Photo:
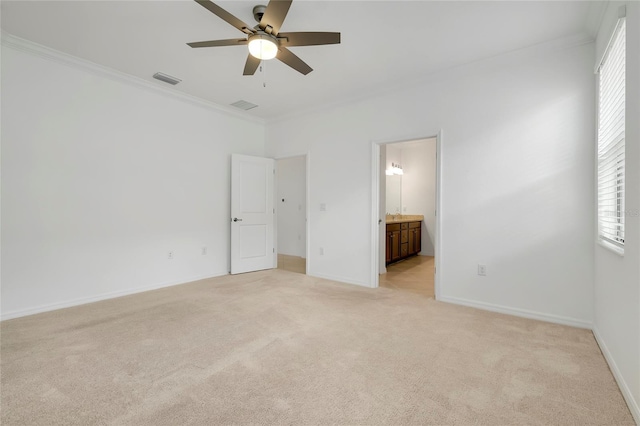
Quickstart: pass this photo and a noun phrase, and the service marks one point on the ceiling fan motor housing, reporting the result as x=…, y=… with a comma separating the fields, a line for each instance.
x=258, y=11
x=261, y=35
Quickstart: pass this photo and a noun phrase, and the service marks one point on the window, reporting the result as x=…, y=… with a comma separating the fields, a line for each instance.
x=611, y=141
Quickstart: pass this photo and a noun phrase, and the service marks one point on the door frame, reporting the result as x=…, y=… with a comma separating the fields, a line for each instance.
x=376, y=228
x=307, y=156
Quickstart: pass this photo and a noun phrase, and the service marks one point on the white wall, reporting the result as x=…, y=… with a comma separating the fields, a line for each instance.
x=393, y=156
x=617, y=282
x=419, y=187
x=101, y=178
x=291, y=181
x=517, y=180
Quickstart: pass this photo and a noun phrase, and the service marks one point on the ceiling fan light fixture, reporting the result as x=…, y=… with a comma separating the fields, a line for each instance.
x=265, y=41
x=263, y=46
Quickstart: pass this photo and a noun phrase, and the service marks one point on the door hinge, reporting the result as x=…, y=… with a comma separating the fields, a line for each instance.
x=274, y=250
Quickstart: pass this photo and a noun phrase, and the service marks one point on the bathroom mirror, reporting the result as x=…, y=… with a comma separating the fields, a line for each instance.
x=394, y=194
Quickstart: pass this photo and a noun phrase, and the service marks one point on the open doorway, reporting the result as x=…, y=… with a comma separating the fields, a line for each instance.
x=291, y=205
x=406, y=186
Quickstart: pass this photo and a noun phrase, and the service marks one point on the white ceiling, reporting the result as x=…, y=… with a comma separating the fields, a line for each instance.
x=383, y=42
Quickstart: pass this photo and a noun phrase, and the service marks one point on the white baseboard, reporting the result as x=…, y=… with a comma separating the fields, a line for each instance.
x=524, y=313
x=104, y=296
x=622, y=384
x=339, y=279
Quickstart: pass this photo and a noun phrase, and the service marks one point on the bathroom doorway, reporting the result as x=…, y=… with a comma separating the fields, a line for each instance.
x=291, y=208
x=407, y=215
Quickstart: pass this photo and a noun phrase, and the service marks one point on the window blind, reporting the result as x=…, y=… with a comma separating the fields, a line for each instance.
x=611, y=140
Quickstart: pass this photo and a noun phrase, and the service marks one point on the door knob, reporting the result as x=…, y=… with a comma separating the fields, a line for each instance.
x=235, y=219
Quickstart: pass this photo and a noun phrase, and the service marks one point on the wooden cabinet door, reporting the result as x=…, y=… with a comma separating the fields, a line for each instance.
x=395, y=245
x=393, y=242
x=415, y=234
x=412, y=241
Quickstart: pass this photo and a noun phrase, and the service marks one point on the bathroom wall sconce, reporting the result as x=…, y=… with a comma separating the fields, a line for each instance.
x=395, y=169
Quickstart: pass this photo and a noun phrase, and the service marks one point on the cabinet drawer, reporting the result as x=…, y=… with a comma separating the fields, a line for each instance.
x=414, y=224
x=404, y=226
x=404, y=249
x=404, y=236
x=393, y=227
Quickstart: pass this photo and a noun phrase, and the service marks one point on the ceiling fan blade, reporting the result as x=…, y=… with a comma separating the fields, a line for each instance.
x=216, y=43
x=274, y=15
x=308, y=38
x=251, y=65
x=287, y=56
x=226, y=16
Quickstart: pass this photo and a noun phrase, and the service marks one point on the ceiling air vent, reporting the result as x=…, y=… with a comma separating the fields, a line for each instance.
x=166, y=78
x=244, y=105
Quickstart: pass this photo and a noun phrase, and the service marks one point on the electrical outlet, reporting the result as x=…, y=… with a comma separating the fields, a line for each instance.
x=204, y=251
x=170, y=255
x=482, y=270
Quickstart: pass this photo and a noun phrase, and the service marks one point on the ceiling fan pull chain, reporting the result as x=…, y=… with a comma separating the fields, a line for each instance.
x=264, y=75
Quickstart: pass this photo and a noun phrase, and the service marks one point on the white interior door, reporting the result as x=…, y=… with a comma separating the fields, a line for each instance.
x=252, y=214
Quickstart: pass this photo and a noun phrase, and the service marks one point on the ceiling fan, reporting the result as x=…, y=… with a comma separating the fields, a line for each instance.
x=265, y=39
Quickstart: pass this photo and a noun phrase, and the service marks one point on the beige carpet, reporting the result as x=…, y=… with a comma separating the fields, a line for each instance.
x=276, y=347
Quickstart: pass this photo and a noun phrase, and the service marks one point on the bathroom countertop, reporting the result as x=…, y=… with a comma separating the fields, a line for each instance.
x=402, y=218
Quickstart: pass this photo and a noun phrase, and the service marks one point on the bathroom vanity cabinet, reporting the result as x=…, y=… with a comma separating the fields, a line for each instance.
x=403, y=240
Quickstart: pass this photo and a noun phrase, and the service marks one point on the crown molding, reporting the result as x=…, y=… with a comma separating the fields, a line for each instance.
x=20, y=44
x=47, y=53
x=537, y=50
